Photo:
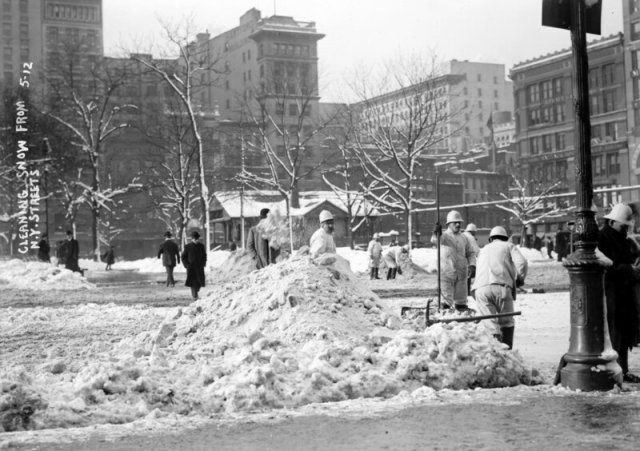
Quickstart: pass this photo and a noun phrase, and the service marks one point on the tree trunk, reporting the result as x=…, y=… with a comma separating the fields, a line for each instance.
x=95, y=213
x=290, y=223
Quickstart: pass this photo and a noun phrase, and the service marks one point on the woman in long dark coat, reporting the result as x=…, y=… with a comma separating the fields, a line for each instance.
x=619, y=279
x=194, y=259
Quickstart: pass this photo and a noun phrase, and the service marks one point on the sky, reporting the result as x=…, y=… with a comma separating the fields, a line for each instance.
x=365, y=33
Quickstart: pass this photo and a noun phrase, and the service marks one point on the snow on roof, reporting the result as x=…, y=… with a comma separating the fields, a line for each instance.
x=250, y=203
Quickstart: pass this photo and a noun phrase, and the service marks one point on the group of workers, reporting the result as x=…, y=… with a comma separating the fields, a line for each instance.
x=493, y=273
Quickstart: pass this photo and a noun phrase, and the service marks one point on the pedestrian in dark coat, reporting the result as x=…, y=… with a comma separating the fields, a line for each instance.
x=619, y=280
x=71, y=253
x=562, y=242
x=194, y=259
x=44, y=249
x=258, y=246
x=109, y=258
x=170, y=257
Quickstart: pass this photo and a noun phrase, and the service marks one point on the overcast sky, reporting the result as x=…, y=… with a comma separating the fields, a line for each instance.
x=366, y=32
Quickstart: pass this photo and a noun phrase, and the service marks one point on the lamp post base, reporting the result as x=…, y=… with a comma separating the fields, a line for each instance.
x=584, y=377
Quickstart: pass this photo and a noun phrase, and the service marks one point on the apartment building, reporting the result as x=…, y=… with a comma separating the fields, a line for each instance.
x=544, y=117
x=32, y=31
x=631, y=48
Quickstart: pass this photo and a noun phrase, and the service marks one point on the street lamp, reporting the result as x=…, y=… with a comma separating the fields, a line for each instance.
x=587, y=365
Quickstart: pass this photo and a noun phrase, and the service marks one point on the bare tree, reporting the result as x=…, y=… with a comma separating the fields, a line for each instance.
x=184, y=77
x=403, y=118
x=82, y=99
x=287, y=129
x=175, y=181
x=347, y=179
x=529, y=204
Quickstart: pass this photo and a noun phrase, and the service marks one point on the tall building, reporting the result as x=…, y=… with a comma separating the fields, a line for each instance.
x=544, y=116
x=483, y=91
x=631, y=48
x=32, y=31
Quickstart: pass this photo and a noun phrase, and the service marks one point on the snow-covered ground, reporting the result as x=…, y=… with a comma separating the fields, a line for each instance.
x=294, y=334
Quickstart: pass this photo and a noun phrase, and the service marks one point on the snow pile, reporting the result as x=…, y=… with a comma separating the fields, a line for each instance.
x=238, y=264
x=39, y=276
x=294, y=333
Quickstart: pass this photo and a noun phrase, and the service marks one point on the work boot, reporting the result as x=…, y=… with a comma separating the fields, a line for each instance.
x=507, y=336
x=462, y=307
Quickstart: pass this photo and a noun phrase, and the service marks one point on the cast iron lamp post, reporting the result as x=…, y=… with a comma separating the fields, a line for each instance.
x=590, y=362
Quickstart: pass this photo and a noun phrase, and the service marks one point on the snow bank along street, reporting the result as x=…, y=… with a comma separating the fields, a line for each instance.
x=295, y=333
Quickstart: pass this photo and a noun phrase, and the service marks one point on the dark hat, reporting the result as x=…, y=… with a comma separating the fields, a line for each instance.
x=69, y=232
x=195, y=235
x=264, y=212
x=167, y=234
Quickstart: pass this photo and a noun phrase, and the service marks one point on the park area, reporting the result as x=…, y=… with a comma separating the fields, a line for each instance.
x=302, y=354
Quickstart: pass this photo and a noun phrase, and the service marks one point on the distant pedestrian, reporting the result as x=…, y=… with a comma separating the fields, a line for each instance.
x=620, y=281
x=562, y=242
x=392, y=258
x=71, y=253
x=321, y=241
x=109, y=258
x=44, y=249
x=501, y=270
x=232, y=246
x=194, y=259
x=456, y=258
x=374, y=250
x=258, y=246
x=549, y=244
x=170, y=257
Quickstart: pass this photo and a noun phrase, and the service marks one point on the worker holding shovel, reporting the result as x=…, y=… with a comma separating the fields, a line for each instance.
x=457, y=258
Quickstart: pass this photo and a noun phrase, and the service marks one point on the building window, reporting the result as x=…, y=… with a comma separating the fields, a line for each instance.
x=495, y=93
x=226, y=85
x=465, y=91
x=479, y=103
x=547, y=143
x=634, y=6
x=547, y=90
x=248, y=54
x=635, y=31
x=560, y=141
x=594, y=78
x=533, y=144
x=228, y=104
x=533, y=93
x=559, y=113
x=595, y=104
x=479, y=77
x=608, y=75
x=613, y=164
x=609, y=101
x=557, y=83
x=479, y=92
x=495, y=80
x=496, y=106
x=293, y=109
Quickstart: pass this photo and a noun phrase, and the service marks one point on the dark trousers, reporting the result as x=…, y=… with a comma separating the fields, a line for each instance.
x=170, y=280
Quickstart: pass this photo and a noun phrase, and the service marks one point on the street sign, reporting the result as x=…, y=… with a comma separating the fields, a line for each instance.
x=557, y=14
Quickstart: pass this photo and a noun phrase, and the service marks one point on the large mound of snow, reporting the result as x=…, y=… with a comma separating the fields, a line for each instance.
x=39, y=276
x=294, y=333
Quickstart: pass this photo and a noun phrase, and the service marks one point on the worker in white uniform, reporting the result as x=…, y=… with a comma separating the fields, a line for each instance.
x=456, y=256
x=391, y=257
x=374, y=250
x=501, y=269
x=321, y=241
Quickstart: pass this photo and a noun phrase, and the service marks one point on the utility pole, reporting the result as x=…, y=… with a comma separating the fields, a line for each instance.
x=590, y=363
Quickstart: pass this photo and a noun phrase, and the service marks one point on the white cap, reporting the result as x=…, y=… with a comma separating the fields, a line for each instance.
x=376, y=235
x=454, y=216
x=498, y=231
x=471, y=227
x=325, y=215
x=621, y=213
